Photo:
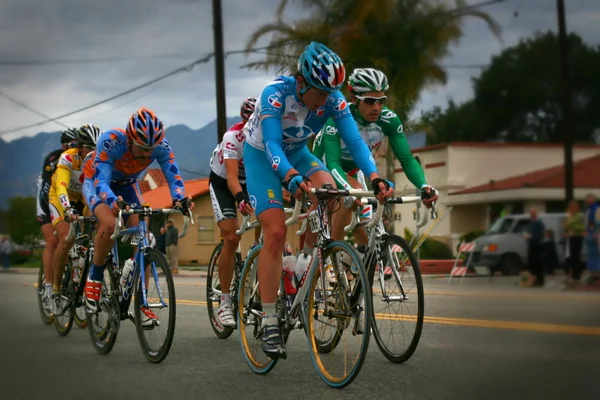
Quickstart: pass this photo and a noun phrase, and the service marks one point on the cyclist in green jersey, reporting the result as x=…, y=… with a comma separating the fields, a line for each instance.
x=375, y=122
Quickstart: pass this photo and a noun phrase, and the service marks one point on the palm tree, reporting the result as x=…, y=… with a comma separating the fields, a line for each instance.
x=406, y=39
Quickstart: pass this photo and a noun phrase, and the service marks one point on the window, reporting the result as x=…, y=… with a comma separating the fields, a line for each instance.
x=556, y=206
x=502, y=225
x=206, y=229
x=521, y=226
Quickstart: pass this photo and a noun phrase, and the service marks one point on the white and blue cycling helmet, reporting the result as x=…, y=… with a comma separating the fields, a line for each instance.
x=321, y=68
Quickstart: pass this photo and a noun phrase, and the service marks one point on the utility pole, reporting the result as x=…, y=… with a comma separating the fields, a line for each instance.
x=219, y=69
x=566, y=122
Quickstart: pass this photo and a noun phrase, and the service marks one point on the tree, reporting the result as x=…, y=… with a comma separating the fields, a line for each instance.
x=405, y=39
x=22, y=224
x=517, y=97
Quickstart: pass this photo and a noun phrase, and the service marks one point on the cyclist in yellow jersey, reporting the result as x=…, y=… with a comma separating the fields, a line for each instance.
x=66, y=200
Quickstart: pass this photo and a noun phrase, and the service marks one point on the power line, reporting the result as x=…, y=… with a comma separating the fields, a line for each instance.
x=185, y=68
x=22, y=63
x=25, y=106
x=188, y=67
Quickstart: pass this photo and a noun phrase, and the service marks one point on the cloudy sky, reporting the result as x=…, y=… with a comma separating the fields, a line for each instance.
x=181, y=30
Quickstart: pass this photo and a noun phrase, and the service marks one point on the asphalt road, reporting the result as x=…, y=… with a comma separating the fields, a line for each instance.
x=480, y=341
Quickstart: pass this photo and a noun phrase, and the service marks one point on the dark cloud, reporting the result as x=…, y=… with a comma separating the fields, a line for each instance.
x=83, y=29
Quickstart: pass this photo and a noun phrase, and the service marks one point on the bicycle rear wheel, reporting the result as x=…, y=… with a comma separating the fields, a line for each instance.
x=103, y=326
x=399, y=300
x=342, y=304
x=154, y=339
x=47, y=317
x=64, y=322
x=213, y=298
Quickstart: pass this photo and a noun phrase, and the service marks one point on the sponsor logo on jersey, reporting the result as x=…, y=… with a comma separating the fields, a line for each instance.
x=275, y=163
x=253, y=201
x=331, y=130
x=230, y=146
x=366, y=212
x=270, y=193
x=400, y=128
x=109, y=144
x=320, y=112
x=387, y=114
x=291, y=116
x=274, y=101
x=341, y=105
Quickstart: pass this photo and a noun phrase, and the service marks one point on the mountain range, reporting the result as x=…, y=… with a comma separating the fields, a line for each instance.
x=21, y=159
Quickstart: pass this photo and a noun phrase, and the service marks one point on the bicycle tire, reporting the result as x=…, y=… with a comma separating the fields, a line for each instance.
x=222, y=332
x=364, y=346
x=391, y=240
x=155, y=356
x=105, y=340
x=255, y=366
x=64, y=327
x=47, y=318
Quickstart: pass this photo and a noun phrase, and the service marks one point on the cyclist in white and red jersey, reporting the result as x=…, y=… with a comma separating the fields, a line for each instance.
x=227, y=183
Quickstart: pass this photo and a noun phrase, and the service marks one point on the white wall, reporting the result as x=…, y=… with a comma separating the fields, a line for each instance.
x=471, y=165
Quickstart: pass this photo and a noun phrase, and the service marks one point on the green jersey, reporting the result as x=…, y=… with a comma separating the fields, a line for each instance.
x=330, y=148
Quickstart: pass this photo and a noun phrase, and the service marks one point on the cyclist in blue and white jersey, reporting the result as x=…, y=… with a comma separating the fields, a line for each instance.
x=288, y=113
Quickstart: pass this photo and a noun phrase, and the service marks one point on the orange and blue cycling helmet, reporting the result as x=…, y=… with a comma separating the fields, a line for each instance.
x=145, y=129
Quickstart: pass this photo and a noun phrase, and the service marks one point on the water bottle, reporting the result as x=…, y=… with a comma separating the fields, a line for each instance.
x=77, y=265
x=289, y=269
x=302, y=264
x=127, y=271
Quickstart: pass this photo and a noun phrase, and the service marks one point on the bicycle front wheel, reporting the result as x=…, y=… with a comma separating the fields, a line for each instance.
x=250, y=316
x=338, y=306
x=155, y=321
x=213, y=298
x=398, y=301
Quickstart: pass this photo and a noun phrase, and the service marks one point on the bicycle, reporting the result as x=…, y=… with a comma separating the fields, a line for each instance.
x=74, y=278
x=115, y=300
x=213, y=287
x=389, y=255
x=341, y=303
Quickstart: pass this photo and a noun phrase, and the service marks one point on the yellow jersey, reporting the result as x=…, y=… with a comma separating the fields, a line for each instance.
x=67, y=181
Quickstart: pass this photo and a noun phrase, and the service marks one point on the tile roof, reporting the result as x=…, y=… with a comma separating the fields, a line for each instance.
x=161, y=196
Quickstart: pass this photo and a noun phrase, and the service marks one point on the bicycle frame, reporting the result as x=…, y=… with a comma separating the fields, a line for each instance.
x=138, y=237
x=376, y=230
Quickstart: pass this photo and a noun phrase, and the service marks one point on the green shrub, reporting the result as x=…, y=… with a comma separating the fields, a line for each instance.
x=20, y=257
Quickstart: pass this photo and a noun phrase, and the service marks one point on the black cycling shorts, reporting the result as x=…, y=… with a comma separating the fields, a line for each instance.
x=223, y=201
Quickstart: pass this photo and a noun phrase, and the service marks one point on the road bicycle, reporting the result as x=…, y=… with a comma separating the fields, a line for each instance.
x=317, y=304
x=151, y=311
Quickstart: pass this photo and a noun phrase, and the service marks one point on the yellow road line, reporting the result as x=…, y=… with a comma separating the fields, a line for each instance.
x=533, y=296
x=479, y=323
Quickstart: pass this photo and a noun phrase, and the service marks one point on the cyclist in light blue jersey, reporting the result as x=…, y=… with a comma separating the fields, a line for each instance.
x=289, y=112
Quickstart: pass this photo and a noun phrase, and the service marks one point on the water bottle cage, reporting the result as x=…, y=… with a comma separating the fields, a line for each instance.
x=136, y=239
x=314, y=224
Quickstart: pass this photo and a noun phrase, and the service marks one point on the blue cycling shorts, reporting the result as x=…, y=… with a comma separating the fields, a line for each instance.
x=264, y=186
x=130, y=193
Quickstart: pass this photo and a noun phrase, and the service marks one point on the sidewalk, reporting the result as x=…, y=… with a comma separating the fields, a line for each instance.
x=199, y=272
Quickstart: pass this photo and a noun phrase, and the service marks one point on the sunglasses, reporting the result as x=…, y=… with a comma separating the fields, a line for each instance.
x=372, y=100
x=144, y=147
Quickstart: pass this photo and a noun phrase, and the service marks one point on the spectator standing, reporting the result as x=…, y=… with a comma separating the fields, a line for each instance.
x=171, y=241
x=574, y=233
x=534, y=236
x=592, y=236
